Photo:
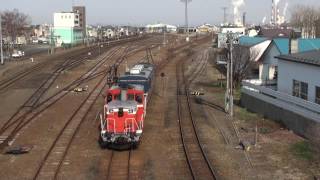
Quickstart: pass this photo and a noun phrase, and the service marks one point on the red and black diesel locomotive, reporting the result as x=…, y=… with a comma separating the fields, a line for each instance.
x=125, y=107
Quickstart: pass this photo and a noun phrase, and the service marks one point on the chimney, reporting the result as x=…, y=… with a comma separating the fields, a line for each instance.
x=244, y=19
x=293, y=44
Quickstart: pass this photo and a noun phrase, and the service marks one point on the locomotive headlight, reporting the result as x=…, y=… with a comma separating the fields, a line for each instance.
x=130, y=111
x=139, y=132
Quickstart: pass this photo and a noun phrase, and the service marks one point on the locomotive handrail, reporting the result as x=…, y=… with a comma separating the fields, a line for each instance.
x=133, y=121
x=141, y=122
x=114, y=124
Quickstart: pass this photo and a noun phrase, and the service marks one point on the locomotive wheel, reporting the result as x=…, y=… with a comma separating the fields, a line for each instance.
x=135, y=145
x=102, y=144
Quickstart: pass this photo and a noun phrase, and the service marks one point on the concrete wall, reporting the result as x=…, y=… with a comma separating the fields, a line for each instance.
x=289, y=71
x=299, y=124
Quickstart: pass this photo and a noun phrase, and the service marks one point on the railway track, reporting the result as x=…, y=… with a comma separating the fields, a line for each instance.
x=24, y=115
x=52, y=162
x=32, y=107
x=119, y=165
x=4, y=84
x=198, y=162
x=200, y=67
x=70, y=60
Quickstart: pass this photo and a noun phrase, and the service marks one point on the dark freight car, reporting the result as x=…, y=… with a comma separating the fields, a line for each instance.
x=140, y=74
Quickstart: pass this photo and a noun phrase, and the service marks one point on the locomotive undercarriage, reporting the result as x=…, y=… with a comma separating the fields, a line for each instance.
x=119, y=141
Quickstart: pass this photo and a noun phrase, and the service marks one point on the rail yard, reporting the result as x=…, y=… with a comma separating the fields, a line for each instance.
x=51, y=113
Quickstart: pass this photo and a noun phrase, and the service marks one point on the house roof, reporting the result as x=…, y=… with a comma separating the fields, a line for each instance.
x=259, y=50
x=282, y=44
x=250, y=41
x=274, y=33
x=309, y=57
x=308, y=44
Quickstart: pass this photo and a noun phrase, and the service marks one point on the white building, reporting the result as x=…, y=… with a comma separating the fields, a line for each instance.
x=233, y=30
x=299, y=75
x=206, y=28
x=295, y=100
x=109, y=33
x=66, y=19
x=92, y=31
x=159, y=28
x=42, y=30
x=67, y=28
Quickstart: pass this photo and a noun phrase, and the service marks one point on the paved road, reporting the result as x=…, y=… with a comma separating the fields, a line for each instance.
x=35, y=49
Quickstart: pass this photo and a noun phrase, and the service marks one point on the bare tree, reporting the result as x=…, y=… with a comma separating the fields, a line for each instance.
x=307, y=19
x=243, y=62
x=14, y=23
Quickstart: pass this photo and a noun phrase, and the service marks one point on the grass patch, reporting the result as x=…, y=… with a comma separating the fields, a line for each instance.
x=302, y=150
x=245, y=115
x=237, y=93
x=264, y=130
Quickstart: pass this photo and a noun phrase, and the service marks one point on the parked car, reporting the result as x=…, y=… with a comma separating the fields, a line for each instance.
x=17, y=54
x=35, y=41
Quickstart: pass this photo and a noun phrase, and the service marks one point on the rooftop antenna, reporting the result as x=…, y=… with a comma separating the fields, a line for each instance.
x=186, y=16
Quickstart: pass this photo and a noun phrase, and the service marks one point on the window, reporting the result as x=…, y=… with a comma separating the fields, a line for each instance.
x=300, y=89
x=317, y=95
x=117, y=97
x=139, y=99
x=295, y=88
x=109, y=98
x=304, y=90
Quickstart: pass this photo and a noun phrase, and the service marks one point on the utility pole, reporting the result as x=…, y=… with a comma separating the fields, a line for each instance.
x=52, y=40
x=164, y=37
x=1, y=46
x=229, y=91
x=231, y=79
x=227, y=97
x=186, y=17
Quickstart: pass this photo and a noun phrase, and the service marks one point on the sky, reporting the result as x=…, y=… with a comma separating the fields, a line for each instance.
x=141, y=12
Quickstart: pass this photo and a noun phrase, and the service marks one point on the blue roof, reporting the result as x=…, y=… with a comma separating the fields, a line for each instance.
x=250, y=41
x=282, y=44
x=308, y=44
